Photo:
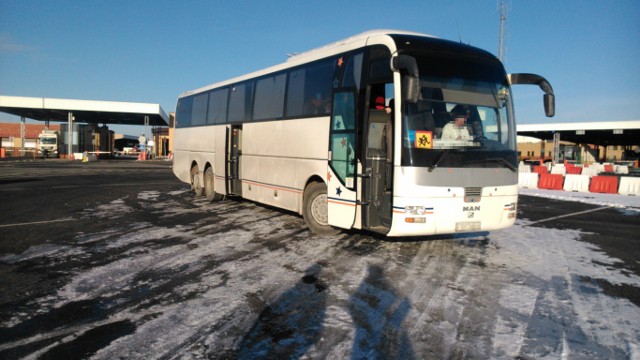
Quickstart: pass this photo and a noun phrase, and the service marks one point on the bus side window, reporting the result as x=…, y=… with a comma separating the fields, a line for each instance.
x=183, y=112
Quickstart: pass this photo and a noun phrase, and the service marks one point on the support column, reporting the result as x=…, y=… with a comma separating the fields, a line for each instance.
x=22, y=134
x=70, y=135
x=556, y=148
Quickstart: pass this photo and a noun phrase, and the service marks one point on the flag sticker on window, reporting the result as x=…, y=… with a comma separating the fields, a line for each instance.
x=424, y=139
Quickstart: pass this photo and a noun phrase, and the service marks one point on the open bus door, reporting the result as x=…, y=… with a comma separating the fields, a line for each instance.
x=233, y=157
x=377, y=172
x=341, y=172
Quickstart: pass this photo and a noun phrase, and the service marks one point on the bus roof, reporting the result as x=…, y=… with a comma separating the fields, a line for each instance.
x=353, y=42
x=359, y=39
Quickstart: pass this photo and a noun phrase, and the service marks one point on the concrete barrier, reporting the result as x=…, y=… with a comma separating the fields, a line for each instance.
x=604, y=184
x=528, y=180
x=574, y=182
x=629, y=186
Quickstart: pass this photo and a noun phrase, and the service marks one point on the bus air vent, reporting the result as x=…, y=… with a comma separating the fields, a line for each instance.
x=472, y=194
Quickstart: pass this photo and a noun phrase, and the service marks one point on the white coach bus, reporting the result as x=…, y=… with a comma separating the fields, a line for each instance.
x=394, y=132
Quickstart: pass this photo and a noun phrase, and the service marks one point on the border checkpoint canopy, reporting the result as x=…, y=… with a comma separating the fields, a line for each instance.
x=89, y=111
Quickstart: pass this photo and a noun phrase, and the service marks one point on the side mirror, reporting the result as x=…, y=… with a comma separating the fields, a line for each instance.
x=411, y=80
x=411, y=89
x=549, y=104
x=533, y=79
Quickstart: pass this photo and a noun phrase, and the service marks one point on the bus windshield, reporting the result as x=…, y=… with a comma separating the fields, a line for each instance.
x=462, y=118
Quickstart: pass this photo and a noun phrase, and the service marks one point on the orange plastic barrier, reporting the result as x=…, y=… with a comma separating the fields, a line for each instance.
x=574, y=170
x=540, y=169
x=551, y=181
x=2, y=153
x=608, y=168
x=604, y=184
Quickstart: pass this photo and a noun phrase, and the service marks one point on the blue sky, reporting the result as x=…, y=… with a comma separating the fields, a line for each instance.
x=151, y=51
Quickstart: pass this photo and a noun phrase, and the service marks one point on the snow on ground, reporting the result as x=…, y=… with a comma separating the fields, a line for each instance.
x=249, y=282
x=620, y=201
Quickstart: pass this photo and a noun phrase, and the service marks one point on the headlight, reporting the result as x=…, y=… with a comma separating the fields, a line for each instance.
x=415, y=210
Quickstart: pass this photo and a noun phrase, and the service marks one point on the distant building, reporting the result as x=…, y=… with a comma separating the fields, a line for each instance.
x=12, y=138
x=535, y=149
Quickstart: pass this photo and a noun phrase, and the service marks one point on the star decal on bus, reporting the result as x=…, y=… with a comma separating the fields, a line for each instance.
x=338, y=191
x=340, y=62
x=343, y=142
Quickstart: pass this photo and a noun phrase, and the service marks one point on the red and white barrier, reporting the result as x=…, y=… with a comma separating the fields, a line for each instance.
x=574, y=182
x=580, y=179
x=528, y=180
x=629, y=186
x=551, y=181
x=604, y=184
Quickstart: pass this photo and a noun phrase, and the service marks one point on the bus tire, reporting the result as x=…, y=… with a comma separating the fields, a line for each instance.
x=209, y=190
x=314, y=210
x=195, y=182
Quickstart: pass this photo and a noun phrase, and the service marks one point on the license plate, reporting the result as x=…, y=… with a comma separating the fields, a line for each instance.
x=468, y=226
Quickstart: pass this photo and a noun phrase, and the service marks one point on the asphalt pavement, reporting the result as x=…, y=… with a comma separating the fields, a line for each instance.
x=118, y=259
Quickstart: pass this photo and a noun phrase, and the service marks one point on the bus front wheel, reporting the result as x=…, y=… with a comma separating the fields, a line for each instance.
x=195, y=182
x=209, y=189
x=315, y=211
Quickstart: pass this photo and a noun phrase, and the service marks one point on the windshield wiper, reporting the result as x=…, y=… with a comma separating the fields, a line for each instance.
x=438, y=160
x=503, y=162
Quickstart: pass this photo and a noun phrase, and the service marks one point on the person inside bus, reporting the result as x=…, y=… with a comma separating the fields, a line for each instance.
x=317, y=106
x=457, y=128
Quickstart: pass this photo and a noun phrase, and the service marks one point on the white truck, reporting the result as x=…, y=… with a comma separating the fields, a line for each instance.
x=48, y=143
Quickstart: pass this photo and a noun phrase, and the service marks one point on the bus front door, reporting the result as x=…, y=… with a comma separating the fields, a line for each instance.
x=341, y=172
x=233, y=157
x=376, y=180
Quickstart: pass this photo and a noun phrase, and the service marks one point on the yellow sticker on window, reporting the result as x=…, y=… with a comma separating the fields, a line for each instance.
x=424, y=139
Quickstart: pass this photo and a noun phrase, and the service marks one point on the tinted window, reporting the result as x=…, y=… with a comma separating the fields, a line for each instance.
x=269, y=101
x=199, y=110
x=240, y=102
x=309, y=90
x=218, y=106
x=183, y=112
x=353, y=71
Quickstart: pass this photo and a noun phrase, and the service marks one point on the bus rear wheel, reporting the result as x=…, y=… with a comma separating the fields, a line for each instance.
x=209, y=190
x=195, y=182
x=314, y=210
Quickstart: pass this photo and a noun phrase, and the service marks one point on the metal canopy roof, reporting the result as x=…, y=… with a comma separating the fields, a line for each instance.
x=595, y=133
x=90, y=111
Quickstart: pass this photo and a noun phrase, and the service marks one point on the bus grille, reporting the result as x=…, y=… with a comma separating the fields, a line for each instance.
x=472, y=194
